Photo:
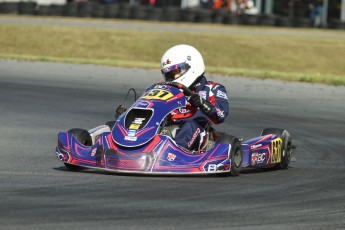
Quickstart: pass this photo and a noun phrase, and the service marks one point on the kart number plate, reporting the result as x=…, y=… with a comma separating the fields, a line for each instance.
x=158, y=94
x=276, y=150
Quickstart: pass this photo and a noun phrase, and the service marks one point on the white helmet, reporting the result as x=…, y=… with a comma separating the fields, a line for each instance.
x=184, y=60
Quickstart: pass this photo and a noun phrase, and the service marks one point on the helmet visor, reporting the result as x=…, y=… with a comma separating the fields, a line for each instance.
x=171, y=71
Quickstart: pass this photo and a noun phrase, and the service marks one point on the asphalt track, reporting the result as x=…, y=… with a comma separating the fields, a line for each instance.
x=37, y=192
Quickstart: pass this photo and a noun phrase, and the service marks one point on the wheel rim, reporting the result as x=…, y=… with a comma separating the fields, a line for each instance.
x=237, y=158
x=288, y=150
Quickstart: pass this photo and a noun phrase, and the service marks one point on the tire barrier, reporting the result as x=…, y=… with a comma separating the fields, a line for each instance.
x=204, y=16
x=219, y=16
x=265, y=20
x=250, y=19
x=27, y=8
x=302, y=22
x=111, y=11
x=56, y=10
x=98, y=11
x=124, y=11
x=153, y=13
x=70, y=10
x=336, y=24
x=284, y=21
x=236, y=20
x=188, y=15
x=43, y=10
x=139, y=12
x=85, y=9
x=173, y=13
x=8, y=7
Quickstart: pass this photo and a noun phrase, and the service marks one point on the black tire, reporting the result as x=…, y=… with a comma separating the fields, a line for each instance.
x=110, y=124
x=70, y=10
x=111, y=11
x=236, y=154
x=171, y=14
x=43, y=10
x=9, y=7
x=56, y=10
x=27, y=8
x=82, y=136
x=204, y=16
x=286, y=145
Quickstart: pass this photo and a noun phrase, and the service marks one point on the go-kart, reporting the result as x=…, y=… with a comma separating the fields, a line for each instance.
x=140, y=141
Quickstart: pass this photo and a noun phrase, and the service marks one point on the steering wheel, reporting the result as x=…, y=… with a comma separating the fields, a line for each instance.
x=186, y=90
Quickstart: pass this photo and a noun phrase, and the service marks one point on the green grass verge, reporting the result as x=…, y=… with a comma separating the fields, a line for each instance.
x=317, y=59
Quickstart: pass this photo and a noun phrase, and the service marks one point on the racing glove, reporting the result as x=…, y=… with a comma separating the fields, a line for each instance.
x=196, y=101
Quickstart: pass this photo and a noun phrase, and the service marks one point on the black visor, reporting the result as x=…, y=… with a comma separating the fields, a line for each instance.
x=170, y=72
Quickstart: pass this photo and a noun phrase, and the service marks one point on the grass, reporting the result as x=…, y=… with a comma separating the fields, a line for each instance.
x=316, y=59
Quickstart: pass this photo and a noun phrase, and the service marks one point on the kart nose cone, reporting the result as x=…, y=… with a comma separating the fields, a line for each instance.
x=141, y=162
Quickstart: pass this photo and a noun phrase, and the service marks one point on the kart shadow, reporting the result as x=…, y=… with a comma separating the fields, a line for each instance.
x=245, y=171
x=259, y=170
x=110, y=173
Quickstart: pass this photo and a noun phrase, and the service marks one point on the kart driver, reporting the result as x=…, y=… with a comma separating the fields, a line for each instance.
x=209, y=102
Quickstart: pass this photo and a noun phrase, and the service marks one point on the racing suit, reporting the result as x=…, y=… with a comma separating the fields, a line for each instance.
x=192, y=134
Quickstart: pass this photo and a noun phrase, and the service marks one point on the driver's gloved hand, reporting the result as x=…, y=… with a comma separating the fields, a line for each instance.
x=196, y=101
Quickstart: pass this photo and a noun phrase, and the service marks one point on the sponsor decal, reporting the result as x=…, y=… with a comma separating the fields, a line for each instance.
x=221, y=94
x=212, y=168
x=183, y=110
x=197, y=84
x=195, y=135
x=171, y=157
x=134, y=126
x=258, y=158
x=203, y=94
x=255, y=146
x=93, y=152
x=220, y=113
x=138, y=121
x=161, y=87
x=131, y=133
x=167, y=62
x=143, y=104
x=127, y=138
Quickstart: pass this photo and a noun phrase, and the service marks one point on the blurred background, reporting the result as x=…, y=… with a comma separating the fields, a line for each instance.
x=282, y=13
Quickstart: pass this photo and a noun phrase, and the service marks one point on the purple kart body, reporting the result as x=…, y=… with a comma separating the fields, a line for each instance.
x=140, y=142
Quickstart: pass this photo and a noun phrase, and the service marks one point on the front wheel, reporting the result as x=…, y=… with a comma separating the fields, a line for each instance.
x=286, y=149
x=111, y=124
x=236, y=154
x=82, y=136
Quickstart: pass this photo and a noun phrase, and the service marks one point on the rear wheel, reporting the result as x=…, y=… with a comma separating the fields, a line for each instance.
x=236, y=154
x=286, y=149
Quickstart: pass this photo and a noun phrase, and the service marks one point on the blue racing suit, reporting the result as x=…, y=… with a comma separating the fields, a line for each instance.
x=193, y=121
